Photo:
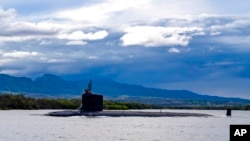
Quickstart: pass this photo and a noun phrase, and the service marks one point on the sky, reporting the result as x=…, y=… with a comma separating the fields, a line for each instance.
x=197, y=45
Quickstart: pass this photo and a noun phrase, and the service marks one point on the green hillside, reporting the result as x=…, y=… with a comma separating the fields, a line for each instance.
x=51, y=86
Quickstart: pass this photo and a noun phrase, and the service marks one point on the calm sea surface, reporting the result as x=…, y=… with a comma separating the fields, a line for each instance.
x=31, y=125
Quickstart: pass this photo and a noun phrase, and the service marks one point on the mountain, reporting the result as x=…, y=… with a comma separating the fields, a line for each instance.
x=53, y=86
x=46, y=85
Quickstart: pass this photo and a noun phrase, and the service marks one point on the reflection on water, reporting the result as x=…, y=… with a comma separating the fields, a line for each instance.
x=31, y=125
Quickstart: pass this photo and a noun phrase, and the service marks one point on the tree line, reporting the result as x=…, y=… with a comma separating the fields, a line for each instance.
x=20, y=101
x=10, y=101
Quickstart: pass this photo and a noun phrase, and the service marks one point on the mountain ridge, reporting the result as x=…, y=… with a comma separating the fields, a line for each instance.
x=50, y=85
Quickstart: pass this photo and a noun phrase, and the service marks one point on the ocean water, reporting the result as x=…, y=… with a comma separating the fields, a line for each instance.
x=32, y=125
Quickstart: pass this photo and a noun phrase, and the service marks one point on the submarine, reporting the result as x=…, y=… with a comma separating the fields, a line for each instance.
x=91, y=102
x=92, y=105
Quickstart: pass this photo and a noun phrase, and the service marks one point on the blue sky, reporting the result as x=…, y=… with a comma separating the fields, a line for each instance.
x=198, y=45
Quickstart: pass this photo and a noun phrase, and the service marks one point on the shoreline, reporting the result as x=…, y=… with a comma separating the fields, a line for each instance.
x=122, y=113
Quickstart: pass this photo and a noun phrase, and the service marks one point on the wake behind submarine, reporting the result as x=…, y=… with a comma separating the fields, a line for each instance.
x=92, y=105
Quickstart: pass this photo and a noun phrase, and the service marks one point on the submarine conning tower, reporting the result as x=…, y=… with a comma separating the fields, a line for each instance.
x=91, y=102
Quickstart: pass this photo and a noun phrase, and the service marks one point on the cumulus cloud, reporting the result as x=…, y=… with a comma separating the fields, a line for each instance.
x=119, y=13
x=80, y=38
x=79, y=35
x=21, y=63
x=151, y=36
x=19, y=54
x=39, y=41
x=99, y=13
x=5, y=61
x=10, y=13
x=15, y=29
x=76, y=43
x=174, y=50
x=234, y=40
x=143, y=22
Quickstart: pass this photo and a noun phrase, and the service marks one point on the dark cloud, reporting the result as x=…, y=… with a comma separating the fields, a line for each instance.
x=193, y=51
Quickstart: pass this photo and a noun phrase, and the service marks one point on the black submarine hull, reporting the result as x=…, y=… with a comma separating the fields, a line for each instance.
x=123, y=113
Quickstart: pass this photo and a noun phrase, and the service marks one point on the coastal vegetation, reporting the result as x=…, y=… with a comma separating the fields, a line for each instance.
x=20, y=101
x=116, y=105
x=10, y=101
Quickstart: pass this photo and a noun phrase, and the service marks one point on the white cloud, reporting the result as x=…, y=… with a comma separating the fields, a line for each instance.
x=9, y=71
x=233, y=25
x=234, y=40
x=19, y=54
x=16, y=29
x=174, y=50
x=76, y=43
x=79, y=35
x=54, y=60
x=5, y=61
x=5, y=39
x=36, y=42
x=138, y=19
x=10, y=13
x=119, y=13
x=151, y=36
x=99, y=13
